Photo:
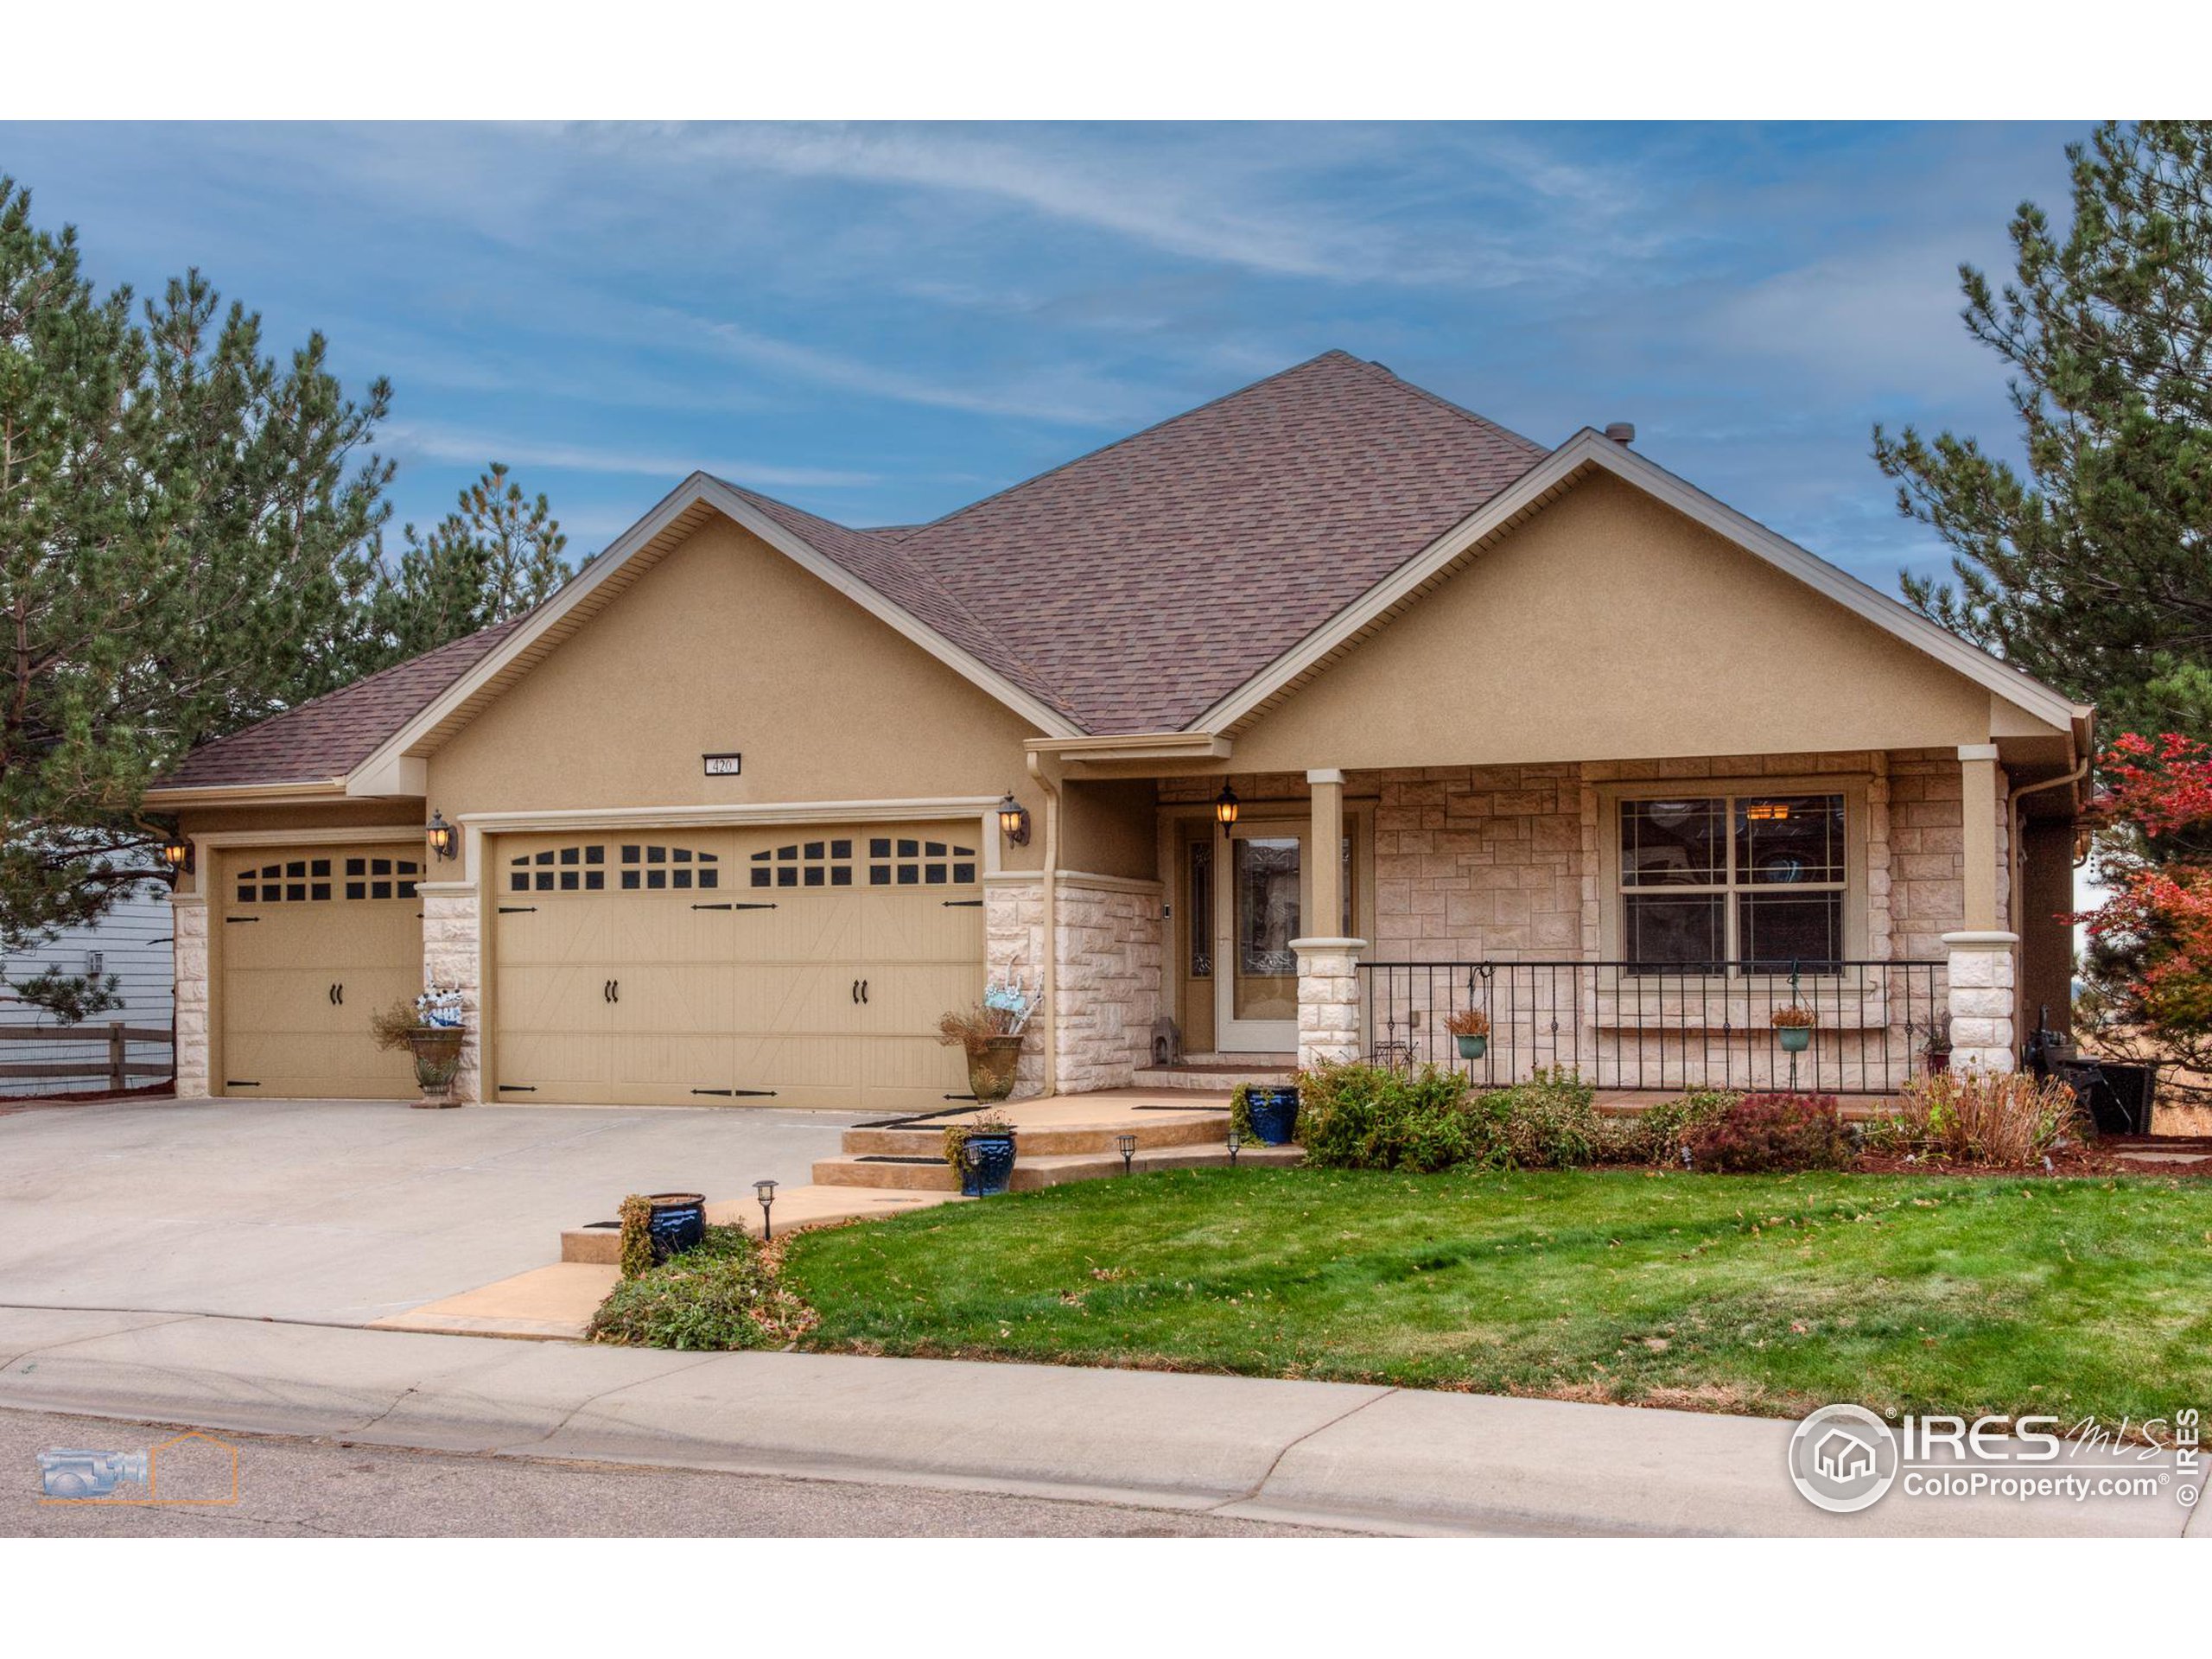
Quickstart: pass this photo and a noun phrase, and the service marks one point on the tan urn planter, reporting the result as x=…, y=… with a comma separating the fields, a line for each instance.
x=437, y=1062
x=990, y=1074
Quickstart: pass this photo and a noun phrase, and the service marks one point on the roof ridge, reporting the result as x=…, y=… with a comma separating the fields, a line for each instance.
x=1142, y=432
x=1446, y=403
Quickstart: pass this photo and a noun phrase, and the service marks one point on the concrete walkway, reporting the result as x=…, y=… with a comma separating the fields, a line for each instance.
x=1383, y=1459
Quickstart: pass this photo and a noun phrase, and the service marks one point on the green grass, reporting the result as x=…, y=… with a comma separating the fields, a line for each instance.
x=1759, y=1293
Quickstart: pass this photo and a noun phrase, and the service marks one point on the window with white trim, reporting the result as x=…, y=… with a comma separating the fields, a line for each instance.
x=1734, y=883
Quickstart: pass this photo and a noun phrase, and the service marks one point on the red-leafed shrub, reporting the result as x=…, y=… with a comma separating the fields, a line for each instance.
x=1771, y=1132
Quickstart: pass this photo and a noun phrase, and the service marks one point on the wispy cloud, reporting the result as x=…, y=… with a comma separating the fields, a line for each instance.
x=480, y=448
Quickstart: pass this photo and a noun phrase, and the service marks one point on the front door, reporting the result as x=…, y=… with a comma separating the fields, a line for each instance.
x=1258, y=906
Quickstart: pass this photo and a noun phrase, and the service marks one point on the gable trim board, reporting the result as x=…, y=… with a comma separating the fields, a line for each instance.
x=1548, y=480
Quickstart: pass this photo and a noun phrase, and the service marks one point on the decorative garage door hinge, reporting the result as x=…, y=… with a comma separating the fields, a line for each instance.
x=234, y=920
x=963, y=904
x=742, y=1094
x=517, y=910
x=517, y=1088
x=241, y=1083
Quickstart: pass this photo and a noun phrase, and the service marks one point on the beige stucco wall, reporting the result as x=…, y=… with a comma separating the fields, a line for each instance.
x=1610, y=626
x=726, y=645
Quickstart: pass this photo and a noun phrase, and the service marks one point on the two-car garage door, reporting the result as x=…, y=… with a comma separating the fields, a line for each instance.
x=792, y=968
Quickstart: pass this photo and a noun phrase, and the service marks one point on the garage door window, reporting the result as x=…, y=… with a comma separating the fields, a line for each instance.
x=914, y=862
x=309, y=880
x=648, y=867
x=559, y=869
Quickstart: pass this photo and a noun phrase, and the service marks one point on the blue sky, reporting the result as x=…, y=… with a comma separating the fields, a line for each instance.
x=882, y=323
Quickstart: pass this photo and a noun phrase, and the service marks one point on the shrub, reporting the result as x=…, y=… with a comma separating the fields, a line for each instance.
x=1655, y=1135
x=1359, y=1116
x=1771, y=1132
x=1982, y=1117
x=1549, y=1122
x=725, y=1294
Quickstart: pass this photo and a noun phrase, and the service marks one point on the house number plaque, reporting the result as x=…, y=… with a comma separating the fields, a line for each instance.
x=723, y=765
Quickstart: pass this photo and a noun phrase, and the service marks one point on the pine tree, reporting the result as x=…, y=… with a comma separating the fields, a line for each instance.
x=186, y=537
x=497, y=554
x=2093, y=572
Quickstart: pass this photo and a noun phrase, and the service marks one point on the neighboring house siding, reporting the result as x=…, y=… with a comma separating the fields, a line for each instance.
x=132, y=942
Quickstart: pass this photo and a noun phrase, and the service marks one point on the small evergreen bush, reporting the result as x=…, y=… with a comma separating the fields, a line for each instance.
x=723, y=1294
x=1549, y=1122
x=1359, y=1116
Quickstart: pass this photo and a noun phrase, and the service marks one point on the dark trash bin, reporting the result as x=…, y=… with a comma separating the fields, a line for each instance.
x=2118, y=1097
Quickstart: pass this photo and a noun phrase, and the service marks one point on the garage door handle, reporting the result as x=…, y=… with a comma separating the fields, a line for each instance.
x=616, y=985
x=341, y=994
x=863, y=990
x=856, y=993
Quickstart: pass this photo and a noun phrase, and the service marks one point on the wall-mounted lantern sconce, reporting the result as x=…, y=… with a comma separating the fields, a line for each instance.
x=176, y=855
x=444, y=839
x=1224, y=805
x=1013, y=820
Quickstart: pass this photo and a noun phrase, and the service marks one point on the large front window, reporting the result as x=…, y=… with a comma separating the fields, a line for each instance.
x=1755, y=881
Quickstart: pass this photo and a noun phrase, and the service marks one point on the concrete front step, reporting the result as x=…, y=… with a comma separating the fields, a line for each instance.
x=1212, y=1078
x=1165, y=1129
x=1049, y=1169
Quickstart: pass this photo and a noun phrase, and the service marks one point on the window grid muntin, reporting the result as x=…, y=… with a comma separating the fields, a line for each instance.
x=1735, y=895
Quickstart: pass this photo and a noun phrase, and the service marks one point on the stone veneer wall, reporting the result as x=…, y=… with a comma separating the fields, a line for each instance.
x=188, y=934
x=453, y=955
x=1926, y=839
x=1112, y=959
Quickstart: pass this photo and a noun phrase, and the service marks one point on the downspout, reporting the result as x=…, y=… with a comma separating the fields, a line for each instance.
x=2016, y=854
x=2017, y=857
x=1048, y=970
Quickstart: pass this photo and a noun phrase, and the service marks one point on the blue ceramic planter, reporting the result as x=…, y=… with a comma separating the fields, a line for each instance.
x=678, y=1223
x=1795, y=1040
x=1273, y=1112
x=989, y=1167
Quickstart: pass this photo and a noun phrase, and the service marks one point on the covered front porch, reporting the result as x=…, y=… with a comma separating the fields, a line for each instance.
x=1639, y=922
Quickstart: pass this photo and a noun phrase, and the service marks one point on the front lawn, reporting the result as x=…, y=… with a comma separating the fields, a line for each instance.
x=1757, y=1294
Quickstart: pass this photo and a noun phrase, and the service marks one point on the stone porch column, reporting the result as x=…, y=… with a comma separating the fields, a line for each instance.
x=1326, y=787
x=453, y=954
x=1981, y=1000
x=1978, y=861
x=1328, y=1000
x=188, y=936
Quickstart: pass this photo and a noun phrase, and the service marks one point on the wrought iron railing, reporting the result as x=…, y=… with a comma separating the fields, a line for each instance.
x=1634, y=1026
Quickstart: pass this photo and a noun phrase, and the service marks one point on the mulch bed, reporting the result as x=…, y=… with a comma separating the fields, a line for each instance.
x=2103, y=1156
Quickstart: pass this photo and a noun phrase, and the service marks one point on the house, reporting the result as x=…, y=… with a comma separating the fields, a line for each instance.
x=131, y=944
x=1303, y=719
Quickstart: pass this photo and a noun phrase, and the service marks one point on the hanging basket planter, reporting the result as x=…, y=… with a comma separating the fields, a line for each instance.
x=1793, y=1027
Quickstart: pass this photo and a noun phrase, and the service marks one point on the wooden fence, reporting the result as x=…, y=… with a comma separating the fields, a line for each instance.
x=117, y=1062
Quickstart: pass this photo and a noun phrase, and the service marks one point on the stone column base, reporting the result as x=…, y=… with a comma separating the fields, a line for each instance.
x=1328, y=1001
x=1981, y=1001
x=188, y=936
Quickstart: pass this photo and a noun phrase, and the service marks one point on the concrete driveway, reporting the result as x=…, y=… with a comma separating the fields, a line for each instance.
x=344, y=1211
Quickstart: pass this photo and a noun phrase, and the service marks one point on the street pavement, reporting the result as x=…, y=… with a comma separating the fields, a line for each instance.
x=290, y=1488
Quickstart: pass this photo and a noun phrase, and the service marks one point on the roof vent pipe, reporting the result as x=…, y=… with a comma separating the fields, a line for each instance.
x=1622, y=432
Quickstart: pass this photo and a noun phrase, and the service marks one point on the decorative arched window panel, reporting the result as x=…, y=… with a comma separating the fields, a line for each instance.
x=311, y=880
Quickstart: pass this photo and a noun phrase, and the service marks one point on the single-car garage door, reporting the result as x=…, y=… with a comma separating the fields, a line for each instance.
x=315, y=940
x=793, y=968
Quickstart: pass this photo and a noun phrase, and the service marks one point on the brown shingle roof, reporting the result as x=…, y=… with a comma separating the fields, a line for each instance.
x=328, y=737
x=1148, y=580
x=1130, y=588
